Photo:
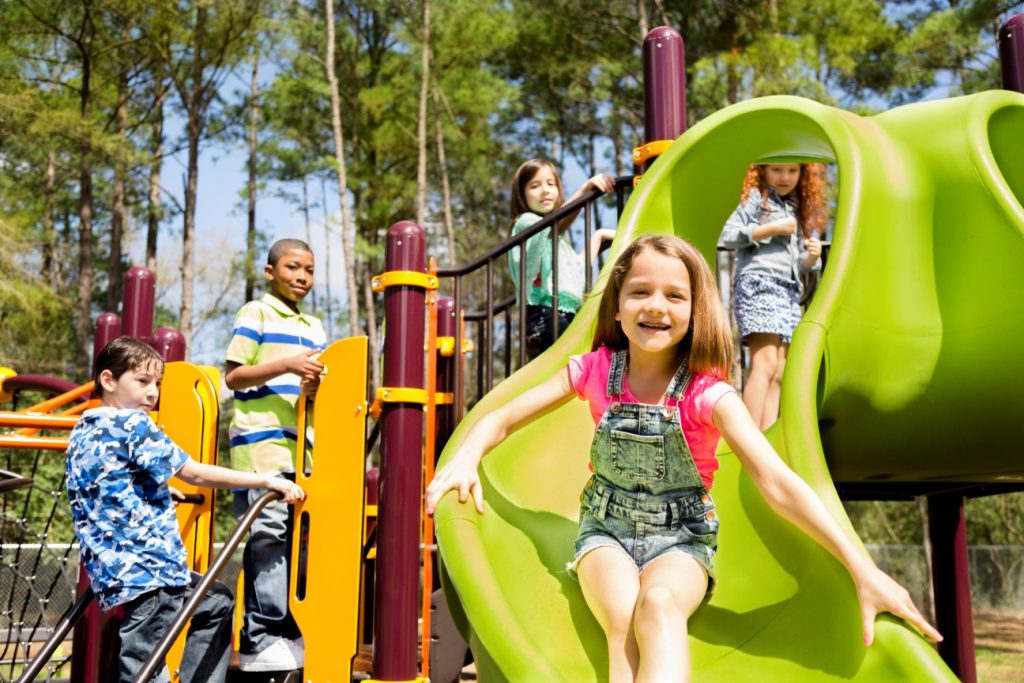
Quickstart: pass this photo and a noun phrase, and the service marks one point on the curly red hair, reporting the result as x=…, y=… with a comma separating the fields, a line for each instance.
x=809, y=195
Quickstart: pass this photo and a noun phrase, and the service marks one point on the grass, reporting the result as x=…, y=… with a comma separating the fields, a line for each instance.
x=999, y=647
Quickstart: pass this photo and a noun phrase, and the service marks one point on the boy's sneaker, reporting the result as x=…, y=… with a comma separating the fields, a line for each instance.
x=298, y=649
x=278, y=656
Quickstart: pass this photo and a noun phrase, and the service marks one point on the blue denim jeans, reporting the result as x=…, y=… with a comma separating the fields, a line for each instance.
x=147, y=618
x=265, y=564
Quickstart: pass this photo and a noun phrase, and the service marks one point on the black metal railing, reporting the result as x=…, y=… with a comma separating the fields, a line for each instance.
x=484, y=316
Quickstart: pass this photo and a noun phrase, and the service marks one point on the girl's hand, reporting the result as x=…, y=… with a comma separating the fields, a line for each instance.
x=785, y=226
x=813, y=247
x=455, y=476
x=602, y=181
x=877, y=592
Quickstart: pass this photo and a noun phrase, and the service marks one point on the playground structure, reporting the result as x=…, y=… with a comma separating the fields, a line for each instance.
x=894, y=348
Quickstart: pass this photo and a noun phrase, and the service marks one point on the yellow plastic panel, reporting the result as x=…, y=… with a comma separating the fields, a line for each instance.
x=188, y=413
x=328, y=611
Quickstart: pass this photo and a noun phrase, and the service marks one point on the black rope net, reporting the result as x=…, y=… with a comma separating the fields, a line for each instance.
x=38, y=560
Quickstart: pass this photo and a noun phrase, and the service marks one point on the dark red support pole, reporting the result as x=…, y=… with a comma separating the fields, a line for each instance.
x=108, y=328
x=169, y=343
x=1011, y=53
x=444, y=422
x=137, y=308
x=396, y=607
x=948, y=531
x=664, y=85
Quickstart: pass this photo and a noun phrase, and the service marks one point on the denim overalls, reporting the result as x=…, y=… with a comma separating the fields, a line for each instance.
x=646, y=495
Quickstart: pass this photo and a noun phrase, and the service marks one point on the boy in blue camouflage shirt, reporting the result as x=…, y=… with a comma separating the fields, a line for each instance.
x=118, y=466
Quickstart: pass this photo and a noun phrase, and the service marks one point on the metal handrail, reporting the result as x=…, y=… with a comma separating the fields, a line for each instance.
x=156, y=658
x=11, y=481
x=60, y=632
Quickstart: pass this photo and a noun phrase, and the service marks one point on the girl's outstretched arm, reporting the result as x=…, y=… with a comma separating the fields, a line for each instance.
x=791, y=497
x=460, y=472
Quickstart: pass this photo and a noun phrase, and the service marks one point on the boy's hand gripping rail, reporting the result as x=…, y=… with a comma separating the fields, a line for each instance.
x=156, y=658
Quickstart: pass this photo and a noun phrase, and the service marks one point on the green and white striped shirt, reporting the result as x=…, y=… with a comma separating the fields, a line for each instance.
x=263, y=429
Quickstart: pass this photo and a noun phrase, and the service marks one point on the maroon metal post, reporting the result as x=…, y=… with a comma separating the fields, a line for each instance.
x=948, y=531
x=169, y=343
x=137, y=308
x=398, y=541
x=664, y=86
x=108, y=328
x=444, y=420
x=1011, y=53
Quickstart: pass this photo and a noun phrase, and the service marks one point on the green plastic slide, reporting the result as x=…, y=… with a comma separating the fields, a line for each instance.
x=904, y=369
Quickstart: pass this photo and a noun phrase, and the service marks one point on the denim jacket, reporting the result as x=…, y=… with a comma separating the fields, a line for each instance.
x=777, y=256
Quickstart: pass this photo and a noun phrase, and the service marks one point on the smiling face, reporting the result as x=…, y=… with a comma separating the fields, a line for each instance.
x=783, y=178
x=291, y=278
x=542, y=192
x=655, y=302
x=136, y=389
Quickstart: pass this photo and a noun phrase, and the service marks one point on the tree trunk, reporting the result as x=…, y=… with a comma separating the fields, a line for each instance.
x=83, y=299
x=421, y=135
x=371, y=328
x=327, y=239
x=309, y=238
x=442, y=162
x=156, y=142
x=641, y=10
x=119, y=213
x=922, y=514
x=196, y=118
x=49, y=228
x=250, y=235
x=347, y=229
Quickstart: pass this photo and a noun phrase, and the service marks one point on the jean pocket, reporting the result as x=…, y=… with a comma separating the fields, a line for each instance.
x=637, y=457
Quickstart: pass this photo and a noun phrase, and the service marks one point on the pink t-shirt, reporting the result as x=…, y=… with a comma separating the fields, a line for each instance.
x=589, y=375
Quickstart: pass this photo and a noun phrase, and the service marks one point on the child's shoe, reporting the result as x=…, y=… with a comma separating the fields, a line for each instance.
x=278, y=656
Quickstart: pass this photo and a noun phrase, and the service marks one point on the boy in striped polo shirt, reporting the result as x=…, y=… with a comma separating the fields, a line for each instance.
x=271, y=359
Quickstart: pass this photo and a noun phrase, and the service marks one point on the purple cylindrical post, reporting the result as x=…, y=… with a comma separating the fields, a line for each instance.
x=398, y=538
x=1011, y=53
x=444, y=421
x=108, y=328
x=951, y=576
x=137, y=309
x=169, y=343
x=664, y=86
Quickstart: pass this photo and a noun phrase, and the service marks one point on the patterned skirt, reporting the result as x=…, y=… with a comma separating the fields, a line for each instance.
x=766, y=305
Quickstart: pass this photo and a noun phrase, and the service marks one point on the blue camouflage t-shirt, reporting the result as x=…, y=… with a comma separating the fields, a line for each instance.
x=118, y=466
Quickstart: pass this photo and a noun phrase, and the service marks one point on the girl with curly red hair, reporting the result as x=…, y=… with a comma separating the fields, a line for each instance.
x=776, y=233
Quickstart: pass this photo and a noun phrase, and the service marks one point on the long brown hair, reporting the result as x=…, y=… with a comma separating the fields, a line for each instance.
x=524, y=174
x=809, y=195
x=709, y=339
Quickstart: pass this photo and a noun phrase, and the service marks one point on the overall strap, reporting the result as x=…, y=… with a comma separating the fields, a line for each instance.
x=681, y=380
x=616, y=373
